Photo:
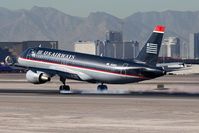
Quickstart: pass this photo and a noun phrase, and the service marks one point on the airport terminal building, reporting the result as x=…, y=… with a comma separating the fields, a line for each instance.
x=15, y=48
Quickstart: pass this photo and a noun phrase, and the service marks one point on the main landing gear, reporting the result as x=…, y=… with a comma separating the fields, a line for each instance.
x=102, y=88
x=64, y=88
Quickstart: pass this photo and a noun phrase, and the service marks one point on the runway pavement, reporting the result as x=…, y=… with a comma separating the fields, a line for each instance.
x=132, y=108
x=172, y=84
x=96, y=114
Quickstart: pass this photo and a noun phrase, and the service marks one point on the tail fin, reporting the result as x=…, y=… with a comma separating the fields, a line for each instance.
x=150, y=51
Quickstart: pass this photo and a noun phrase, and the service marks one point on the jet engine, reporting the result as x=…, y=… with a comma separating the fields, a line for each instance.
x=37, y=77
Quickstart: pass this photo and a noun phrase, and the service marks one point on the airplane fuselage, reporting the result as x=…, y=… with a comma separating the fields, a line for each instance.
x=90, y=68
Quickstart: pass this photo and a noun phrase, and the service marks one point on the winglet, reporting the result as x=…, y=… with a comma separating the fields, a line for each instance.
x=159, y=29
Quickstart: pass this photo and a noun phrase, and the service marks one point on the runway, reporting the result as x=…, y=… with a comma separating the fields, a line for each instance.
x=50, y=113
x=28, y=108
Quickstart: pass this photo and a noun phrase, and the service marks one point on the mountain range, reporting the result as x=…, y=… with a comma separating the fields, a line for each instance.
x=46, y=23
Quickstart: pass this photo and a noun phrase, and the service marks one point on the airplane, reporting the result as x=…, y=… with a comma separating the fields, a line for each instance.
x=174, y=66
x=44, y=63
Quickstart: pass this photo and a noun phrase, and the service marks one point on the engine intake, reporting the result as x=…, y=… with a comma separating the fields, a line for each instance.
x=37, y=77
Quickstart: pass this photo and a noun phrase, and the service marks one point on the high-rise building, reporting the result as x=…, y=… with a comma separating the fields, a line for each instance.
x=184, y=50
x=171, y=47
x=130, y=50
x=109, y=49
x=114, y=36
x=113, y=47
x=194, y=46
x=114, y=40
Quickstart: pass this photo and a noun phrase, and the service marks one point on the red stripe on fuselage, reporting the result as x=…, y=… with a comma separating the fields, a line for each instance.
x=84, y=68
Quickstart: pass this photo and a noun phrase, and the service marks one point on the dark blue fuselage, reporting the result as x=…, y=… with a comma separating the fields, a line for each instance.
x=87, y=67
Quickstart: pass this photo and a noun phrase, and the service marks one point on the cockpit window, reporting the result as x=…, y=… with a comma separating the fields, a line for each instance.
x=28, y=53
x=24, y=54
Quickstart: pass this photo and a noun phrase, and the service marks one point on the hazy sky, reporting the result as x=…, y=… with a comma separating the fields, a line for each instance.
x=119, y=8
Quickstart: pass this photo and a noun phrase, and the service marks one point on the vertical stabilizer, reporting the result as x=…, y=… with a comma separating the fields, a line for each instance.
x=150, y=51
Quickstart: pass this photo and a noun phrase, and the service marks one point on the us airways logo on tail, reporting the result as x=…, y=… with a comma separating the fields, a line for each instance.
x=151, y=48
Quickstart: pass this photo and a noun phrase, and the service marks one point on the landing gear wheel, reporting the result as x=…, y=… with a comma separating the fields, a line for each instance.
x=102, y=88
x=64, y=89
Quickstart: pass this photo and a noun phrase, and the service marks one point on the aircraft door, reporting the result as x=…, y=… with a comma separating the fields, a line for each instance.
x=124, y=68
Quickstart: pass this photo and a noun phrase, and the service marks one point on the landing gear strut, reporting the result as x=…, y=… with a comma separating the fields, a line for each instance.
x=64, y=88
x=102, y=87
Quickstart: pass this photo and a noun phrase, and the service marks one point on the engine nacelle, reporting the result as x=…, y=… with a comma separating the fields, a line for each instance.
x=37, y=77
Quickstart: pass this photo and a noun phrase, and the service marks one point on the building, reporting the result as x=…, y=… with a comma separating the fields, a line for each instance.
x=114, y=50
x=109, y=49
x=194, y=46
x=16, y=48
x=101, y=48
x=114, y=43
x=184, y=50
x=113, y=47
x=171, y=47
x=114, y=36
x=89, y=47
x=130, y=49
